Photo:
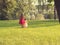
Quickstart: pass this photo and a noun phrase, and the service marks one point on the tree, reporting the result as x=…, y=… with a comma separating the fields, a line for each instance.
x=7, y=8
x=26, y=7
x=11, y=8
x=57, y=4
x=50, y=1
x=3, y=8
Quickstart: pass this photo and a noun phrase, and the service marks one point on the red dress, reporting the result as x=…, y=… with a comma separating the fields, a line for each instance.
x=22, y=21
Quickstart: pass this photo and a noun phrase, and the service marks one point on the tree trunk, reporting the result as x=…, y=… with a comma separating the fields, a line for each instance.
x=57, y=4
x=55, y=14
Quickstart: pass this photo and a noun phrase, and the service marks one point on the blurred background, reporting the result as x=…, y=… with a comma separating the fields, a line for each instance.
x=32, y=9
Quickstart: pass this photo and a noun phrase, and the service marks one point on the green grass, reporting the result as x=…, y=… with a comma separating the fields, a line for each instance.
x=45, y=32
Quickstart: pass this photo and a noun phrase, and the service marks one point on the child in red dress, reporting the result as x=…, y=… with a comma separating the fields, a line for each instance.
x=22, y=20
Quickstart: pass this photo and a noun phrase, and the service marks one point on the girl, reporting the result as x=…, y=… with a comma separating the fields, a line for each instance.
x=22, y=20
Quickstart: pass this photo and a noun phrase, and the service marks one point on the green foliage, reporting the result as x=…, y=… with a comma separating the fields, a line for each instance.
x=40, y=17
x=50, y=1
x=51, y=15
x=18, y=7
x=15, y=7
x=11, y=7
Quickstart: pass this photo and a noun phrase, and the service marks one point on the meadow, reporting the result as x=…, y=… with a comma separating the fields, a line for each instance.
x=39, y=32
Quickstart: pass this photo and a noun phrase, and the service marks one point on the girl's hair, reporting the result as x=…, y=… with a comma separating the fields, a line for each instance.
x=21, y=16
x=25, y=19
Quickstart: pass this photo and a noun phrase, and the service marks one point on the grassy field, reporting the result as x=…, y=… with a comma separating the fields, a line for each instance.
x=38, y=33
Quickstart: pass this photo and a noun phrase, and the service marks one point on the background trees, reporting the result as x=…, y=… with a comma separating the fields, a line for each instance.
x=11, y=9
x=3, y=8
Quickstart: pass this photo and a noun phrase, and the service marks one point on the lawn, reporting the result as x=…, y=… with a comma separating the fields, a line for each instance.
x=45, y=32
